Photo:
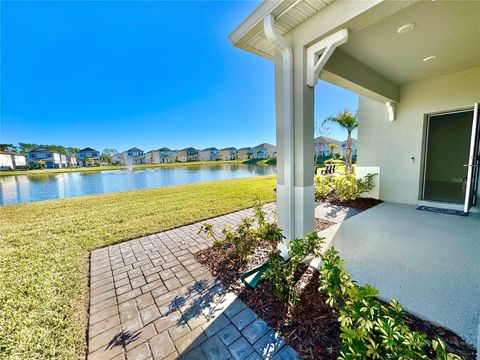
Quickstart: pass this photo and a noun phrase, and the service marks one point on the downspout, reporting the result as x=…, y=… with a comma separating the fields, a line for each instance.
x=285, y=49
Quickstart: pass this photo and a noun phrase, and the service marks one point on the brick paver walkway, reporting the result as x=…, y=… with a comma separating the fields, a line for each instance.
x=150, y=299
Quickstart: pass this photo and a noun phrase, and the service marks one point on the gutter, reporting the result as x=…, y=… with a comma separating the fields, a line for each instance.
x=284, y=47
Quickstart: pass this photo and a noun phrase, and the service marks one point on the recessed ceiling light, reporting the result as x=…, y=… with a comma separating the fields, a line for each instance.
x=406, y=28
x=429, y=58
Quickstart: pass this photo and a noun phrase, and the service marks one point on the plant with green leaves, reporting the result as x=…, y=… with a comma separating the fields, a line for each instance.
x=347, y=187
x=41, y=164
x=323, y=186
x=349, y=122
x=368, y=328
x=282, y=274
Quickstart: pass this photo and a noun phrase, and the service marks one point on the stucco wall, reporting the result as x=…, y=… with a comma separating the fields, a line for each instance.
x=392, y=145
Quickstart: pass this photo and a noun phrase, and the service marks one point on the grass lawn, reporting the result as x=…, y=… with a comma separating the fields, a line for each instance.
x=135, y=167
x=44, y=249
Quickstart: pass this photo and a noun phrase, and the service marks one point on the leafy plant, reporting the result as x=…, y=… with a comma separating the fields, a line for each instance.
x=334, y=161
x=347, y=187
x=323, y=186
x=368, y=328
x=282, y=274
x=207, y=229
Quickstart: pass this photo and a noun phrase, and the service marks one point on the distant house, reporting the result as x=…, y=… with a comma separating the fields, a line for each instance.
x=321, y=146
x=51, y=159
x=187, y=154
x=245, y=153
x=72, y=161
x=88, y=157
x=133, y=156
x=354, y=148
x=264, y=151
x=208, y=154
x=160, y=156
x=228, y=153
x=10, y=161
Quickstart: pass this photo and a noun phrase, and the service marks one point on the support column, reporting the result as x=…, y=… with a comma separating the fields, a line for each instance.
x=303, y=145
x=295, y=212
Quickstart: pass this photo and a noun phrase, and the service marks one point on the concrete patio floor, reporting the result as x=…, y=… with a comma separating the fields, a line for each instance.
x=150, y=299
x=429, y=262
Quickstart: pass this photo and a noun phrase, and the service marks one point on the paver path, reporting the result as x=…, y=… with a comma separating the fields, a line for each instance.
x=150, y=299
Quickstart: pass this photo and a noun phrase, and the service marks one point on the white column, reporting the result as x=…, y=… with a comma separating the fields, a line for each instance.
x=303, y=145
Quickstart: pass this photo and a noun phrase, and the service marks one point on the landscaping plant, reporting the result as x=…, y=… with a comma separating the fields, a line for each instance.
x=347, y=187
x=283, y=273
x=368, y=328
x=323, y=186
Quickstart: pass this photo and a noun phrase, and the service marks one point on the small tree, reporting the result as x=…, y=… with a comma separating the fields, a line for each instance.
x=41, y=164
x=332, y=148
x=348, y=121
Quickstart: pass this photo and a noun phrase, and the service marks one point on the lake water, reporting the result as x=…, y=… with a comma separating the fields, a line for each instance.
x=23, y=188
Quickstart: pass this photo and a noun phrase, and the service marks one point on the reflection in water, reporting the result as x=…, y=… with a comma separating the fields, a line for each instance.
x=18, y=189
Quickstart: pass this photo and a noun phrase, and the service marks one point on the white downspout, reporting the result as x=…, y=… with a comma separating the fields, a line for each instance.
x=285, y=49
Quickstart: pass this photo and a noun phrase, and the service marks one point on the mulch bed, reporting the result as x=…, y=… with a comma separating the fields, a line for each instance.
x=311, y=326
x=360, y=203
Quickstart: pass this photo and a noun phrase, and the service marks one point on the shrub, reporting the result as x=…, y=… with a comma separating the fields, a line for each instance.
x=282, y=274
x=368, y=328
x=334, y=161
x=323, y=186
x=347, y=187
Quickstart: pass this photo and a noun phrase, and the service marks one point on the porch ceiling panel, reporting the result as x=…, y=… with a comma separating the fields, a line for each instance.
x=449, y=30
x=288, y=15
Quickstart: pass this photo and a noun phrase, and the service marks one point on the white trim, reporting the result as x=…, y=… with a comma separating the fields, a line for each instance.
x=471, y=159
x=390, y=110
x=285, y=49
x=319, y=53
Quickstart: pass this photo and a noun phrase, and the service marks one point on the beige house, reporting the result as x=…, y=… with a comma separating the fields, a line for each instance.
x=187, y=155
x=416, y=68
x=264, y=151
x=228, y=153
x=133, y=156
x=245, y=153
x=160, y=156
x=11, y=161
x=208, y=154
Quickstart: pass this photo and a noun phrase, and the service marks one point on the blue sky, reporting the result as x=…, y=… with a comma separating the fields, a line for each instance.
x=145, y=74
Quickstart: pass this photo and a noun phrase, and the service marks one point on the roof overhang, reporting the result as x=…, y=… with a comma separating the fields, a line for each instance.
x=288, y=14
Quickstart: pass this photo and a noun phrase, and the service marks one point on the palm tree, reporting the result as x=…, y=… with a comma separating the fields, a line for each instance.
x=41, y=163
x=348, y=121
x=332, y=147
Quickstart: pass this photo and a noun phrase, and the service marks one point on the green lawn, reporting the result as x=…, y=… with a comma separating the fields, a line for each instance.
x=44, y=249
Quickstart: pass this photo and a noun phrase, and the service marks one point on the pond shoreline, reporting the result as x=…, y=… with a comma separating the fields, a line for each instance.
x=134, y=167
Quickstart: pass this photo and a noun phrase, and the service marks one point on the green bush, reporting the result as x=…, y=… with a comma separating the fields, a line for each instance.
x=323, y=186
x=369, y=329
x=347, y=187
x=282, y=274
x=334, y=161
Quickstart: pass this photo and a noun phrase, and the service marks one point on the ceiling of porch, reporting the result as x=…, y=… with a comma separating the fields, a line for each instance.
x=449, y=30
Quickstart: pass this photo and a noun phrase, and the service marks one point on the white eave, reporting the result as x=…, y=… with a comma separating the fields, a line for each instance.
x=288, y=14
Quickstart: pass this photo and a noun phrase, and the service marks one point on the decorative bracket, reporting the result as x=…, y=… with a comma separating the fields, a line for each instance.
x=391, y=110
x=319, y=53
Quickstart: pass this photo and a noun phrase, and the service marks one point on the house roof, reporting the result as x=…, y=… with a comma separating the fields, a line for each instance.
x=264, y=144
x=164, y=149
x=229, y=148
x=37, y=150
x=87, y=149
x=187, y=148
x=326, y=139
x=245, y=148
x=249, y=35
x=210, y=149
x=134, y=149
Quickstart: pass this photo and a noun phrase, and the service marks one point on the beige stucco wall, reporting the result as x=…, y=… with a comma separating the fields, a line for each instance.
x=392, y=145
